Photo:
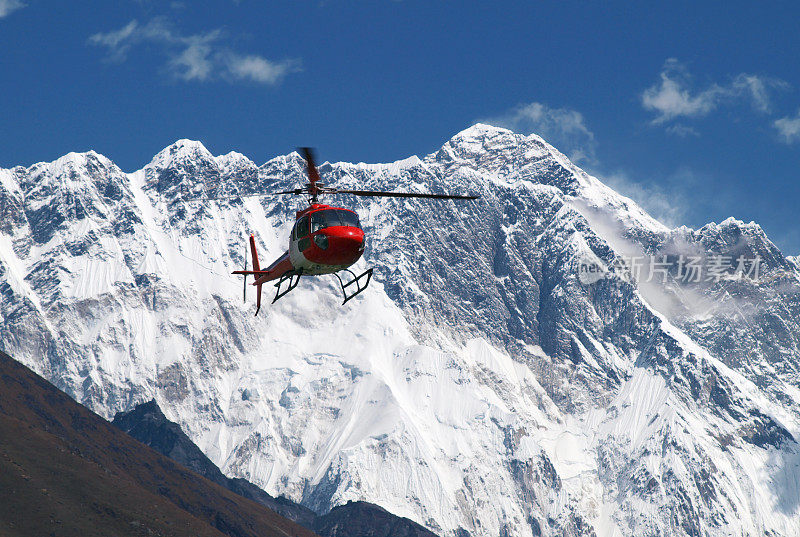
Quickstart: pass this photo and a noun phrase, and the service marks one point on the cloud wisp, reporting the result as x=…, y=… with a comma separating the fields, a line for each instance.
x=673, y=97
x=663, y=200
x=194, y=57
x=788, y=128
x=562, y=127
x=7, y=7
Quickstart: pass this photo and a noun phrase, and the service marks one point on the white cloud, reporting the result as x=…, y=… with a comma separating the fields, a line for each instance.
x=7, y=7
x=671, y=99
x=561, y=127
x=682, y=130
x=757, y=88
x=195, y=57
x=789, y=128
x=668, y=205
x=674, y=97
x=259, y=69
x=118, y=42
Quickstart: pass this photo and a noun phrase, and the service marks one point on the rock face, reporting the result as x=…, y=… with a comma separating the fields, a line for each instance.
x=148, y=424
x=503, y=374
x=364, y=519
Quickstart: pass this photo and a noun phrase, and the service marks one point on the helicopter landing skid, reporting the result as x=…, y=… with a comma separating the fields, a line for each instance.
x=357, y=281
x=293, y=277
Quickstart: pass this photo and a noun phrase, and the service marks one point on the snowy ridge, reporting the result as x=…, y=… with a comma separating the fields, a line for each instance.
x=477, y=387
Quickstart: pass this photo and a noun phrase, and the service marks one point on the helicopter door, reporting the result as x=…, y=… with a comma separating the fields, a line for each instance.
x=301, y=230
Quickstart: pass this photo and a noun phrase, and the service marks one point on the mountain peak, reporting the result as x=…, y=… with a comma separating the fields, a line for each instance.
x=188, y=144
x=234, y=161
x=481, y=133
x=180, y=151
x=479, y=130
x=735, y=222
x=732, y=224
x=72, y=161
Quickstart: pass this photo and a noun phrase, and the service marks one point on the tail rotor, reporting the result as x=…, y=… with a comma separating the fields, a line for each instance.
x=256, y=272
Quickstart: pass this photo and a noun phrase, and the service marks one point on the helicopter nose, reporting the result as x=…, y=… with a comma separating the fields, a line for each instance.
x=345, y=245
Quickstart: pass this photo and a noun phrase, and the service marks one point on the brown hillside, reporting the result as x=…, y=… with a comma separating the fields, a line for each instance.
x=65, y=471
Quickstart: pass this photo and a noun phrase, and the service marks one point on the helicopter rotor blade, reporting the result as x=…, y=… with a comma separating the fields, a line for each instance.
x=313, y=174
x=238, y=196
x=403, y=194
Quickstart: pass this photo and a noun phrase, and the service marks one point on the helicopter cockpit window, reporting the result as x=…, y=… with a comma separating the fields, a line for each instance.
x=348, y=218
x=333, y=217
x=301, y=229
x=320, y=220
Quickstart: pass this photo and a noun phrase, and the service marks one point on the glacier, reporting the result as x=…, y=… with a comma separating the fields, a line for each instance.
x=477, y=386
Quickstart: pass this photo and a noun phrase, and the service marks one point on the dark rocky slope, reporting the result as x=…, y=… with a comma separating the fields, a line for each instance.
x=147, y=423
x=65, y=471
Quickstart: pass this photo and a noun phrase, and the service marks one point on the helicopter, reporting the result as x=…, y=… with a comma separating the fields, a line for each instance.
x=325, y=239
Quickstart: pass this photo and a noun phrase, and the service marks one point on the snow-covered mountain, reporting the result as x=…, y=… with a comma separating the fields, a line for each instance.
x=483, y=385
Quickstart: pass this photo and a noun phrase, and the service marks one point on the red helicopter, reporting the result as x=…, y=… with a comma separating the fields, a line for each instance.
x=324, y=240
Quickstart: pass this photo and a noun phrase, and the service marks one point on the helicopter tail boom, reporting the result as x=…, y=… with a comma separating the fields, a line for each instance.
x=278, y=269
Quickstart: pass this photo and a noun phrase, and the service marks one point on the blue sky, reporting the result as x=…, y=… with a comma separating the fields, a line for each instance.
x=692, y=109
